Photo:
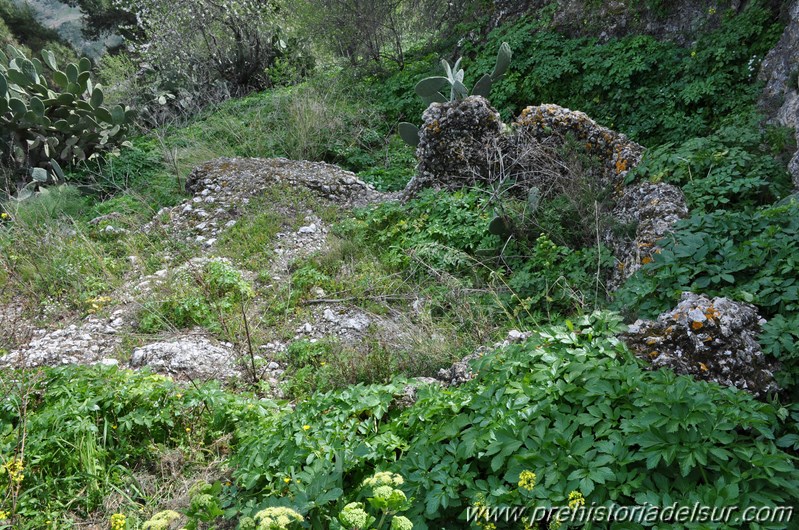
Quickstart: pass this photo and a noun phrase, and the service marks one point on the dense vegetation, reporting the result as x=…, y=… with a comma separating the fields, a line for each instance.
x=568, y=416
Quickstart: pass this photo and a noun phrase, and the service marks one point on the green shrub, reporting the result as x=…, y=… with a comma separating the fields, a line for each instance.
x=448, y=233
x=558, y=280
x=209, y=296
x=570, y=405
x=654, y=91
x=92, y=430
x=729, y=169
x=441, y=228
x=747, y=256
x=41, y=127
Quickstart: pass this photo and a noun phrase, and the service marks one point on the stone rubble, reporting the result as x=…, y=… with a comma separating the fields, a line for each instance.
x=94, y=340
x=709, y=339
x=193, y=357
x=220, y=189
x=464, y=142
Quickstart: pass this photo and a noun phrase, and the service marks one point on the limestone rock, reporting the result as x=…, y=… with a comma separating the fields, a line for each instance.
x=618, y=153
x=780, y=97
x=223, y=186
x=89, y=341
x=713, y=340
x=455, y=141
x=652, y=209
x=463, y=143
x=192, y=357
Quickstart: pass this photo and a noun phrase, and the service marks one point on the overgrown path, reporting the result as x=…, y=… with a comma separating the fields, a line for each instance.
x=303, y=198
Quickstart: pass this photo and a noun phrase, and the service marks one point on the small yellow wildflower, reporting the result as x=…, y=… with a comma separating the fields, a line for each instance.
x=555, y=523
x=287, y=480
x=711, y=11
x=306, y=427
x=4, y=216
x=118, y=521
x=188, y=429
x=14, y=467
x=4, y=515
x=527, y=480
x=576, y=500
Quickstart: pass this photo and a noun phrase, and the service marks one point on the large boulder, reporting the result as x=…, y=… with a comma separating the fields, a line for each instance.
x=709, y=339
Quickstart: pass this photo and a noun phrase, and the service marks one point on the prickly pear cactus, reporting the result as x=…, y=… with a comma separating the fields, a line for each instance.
x=50, y=116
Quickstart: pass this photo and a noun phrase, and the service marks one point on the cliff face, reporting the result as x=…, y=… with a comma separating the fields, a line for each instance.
x=780, y=98
x=678, y=20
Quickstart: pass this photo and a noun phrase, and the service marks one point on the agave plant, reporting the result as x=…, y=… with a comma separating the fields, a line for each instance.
x=430, y=88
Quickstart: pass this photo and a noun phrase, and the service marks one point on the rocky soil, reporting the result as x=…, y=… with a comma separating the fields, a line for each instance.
x=221, y=189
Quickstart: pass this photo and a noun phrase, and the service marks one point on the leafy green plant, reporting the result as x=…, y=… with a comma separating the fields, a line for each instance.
x=729, y=169
x=748, y=256
x=444, y=227
x=654, y=91
x=91, y=429
x=209, y=296
x=570, y=405
x=385, y=496
x=41, y=127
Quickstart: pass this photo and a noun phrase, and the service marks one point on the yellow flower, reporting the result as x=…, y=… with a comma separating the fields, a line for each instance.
x=287, y=480
x=4, y=215
x=118, y=521
x=188, y=429
x=711, y=11
x=527, y=480
x=576, y=500
x=14, y=467
x=4, y=515
x=306, y=427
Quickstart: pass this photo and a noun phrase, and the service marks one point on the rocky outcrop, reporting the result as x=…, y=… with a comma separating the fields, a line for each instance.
x=617, y=153
x=223, y=186
x=651, y=209
x=709, y=339
x=676, y=20
x=780, y=97
x=456, y=142
x=464, y=143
